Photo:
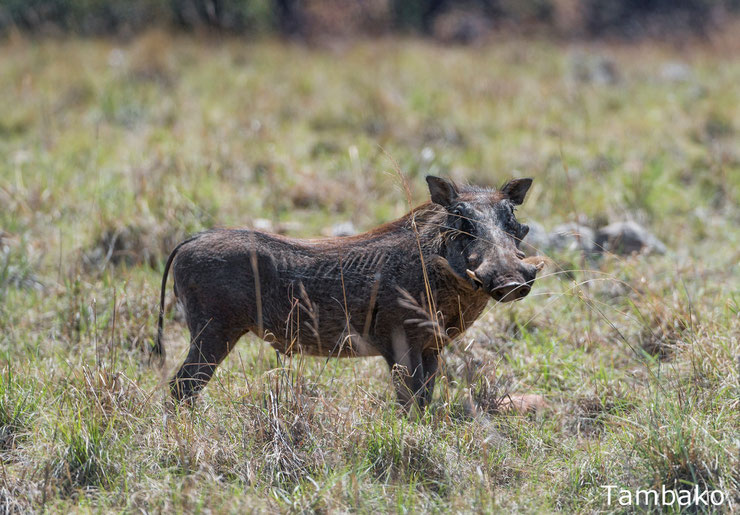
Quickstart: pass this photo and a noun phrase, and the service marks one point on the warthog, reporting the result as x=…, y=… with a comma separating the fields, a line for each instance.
x=401, y=291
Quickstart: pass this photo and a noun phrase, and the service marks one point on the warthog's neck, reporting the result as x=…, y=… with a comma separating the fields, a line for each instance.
x=401, y=261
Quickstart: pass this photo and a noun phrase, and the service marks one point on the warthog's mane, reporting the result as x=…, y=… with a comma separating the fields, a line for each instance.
x=428, y=221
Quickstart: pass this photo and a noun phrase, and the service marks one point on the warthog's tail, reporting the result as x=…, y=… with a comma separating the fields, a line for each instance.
x=158, y=353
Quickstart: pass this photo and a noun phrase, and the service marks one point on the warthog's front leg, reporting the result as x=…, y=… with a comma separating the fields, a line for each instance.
x=413, y=372
x=430, y=364
x=408, y=380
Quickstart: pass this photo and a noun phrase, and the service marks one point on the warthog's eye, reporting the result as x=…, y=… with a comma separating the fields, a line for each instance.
x=523, y=231
x=513, y=227
x=462, y=222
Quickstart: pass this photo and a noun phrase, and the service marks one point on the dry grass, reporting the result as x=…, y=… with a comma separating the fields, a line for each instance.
x=112, y=152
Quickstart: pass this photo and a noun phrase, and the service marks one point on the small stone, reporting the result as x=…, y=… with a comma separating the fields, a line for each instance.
x=573, y=236
x=627, y=238
x=289, y=227
x=262, y=224
x=675, y=72
x=342, y=229
x=116, y=58
x=593, y=69
x=427, y=154
x=522, y=404
x=536, y=242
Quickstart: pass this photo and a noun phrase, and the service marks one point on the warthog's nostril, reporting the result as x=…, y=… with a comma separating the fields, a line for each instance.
x=510, y=291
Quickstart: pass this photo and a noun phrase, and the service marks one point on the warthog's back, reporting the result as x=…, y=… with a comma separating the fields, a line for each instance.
x=326, y=296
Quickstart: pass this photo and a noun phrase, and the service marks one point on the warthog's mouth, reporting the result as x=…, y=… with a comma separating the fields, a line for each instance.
x=506, y=292
x=510, y=290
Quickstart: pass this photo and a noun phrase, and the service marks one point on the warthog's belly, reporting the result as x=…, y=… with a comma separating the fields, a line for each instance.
x=343, y=346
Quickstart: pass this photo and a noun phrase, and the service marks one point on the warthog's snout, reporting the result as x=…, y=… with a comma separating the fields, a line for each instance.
x=512, y=286
x=510, y=291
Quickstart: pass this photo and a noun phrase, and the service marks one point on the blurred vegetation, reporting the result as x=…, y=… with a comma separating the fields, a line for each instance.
x=112, y=151
x=312, y=18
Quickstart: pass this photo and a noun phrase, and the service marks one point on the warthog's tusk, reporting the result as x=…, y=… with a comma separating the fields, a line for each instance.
x=538, y=262
x=472, y=275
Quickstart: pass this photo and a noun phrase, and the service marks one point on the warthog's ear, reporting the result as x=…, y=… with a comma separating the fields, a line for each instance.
x=516, y=189
x=444, y=191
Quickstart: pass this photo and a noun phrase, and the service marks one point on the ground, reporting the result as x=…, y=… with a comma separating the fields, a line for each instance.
x=111, y=152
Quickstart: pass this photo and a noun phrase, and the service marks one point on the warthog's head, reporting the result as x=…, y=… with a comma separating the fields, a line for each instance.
x=482, y=245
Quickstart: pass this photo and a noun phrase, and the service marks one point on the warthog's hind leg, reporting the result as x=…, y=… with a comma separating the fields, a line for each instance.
x=210, y=344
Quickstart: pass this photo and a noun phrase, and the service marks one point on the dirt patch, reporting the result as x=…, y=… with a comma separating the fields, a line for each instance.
x=132, y=245
x=16, y=497
x=522, y=404
x=663, y=335
x=590, y=413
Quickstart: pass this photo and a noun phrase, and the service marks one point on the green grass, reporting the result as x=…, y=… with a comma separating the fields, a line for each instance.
x=110, y=153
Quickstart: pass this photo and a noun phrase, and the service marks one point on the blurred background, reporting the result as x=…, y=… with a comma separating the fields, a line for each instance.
x=127, y=126
x=249, y=112
x=463, y=21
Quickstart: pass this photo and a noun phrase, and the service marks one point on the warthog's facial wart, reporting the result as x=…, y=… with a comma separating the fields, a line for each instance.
x=483, y=237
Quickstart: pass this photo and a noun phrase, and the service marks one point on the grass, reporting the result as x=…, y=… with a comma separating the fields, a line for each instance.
x=112, y=152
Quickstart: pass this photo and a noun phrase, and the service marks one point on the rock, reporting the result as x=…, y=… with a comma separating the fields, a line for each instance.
x=522, y=404
x=342, y=229
x=675, y=72
x=536, y=242
x=593, y=69
x=427, y=154
x=573, y=236
x=618, y=238
x=289, y=227
x=434, y=133
x=626, y=238
x=116, y=58
x=265, y=225
x=262, y=224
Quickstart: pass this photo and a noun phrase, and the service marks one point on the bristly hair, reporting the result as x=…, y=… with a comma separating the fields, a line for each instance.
x=431, y=219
